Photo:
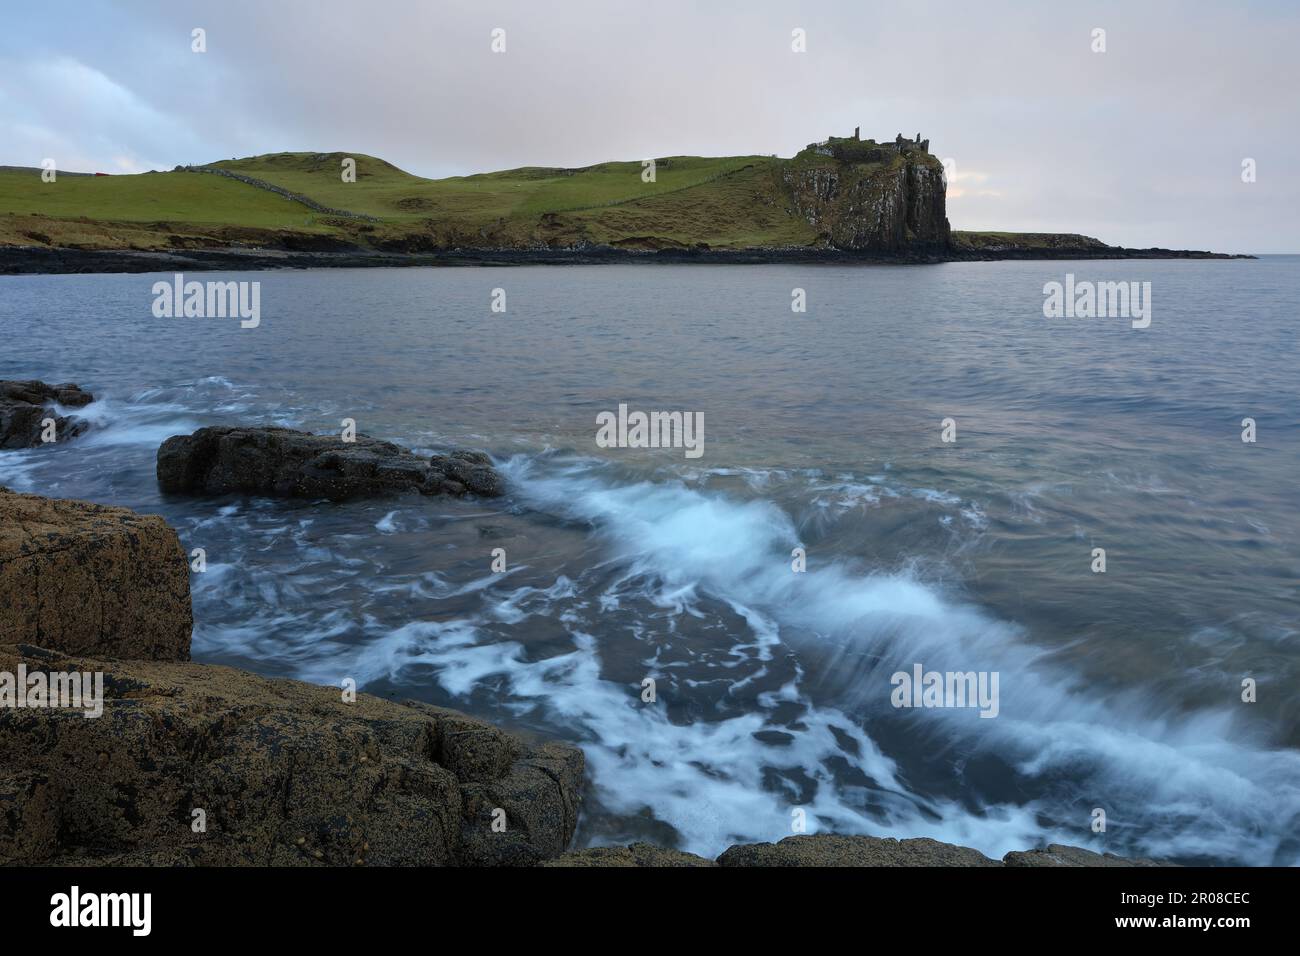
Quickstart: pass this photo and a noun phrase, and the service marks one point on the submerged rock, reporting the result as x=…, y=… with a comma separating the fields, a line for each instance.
x=282, y=462
x=25, y=405
x=268, y=772
x=88, y=579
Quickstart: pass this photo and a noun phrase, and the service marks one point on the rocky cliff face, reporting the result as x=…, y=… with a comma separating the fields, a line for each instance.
x=891, y=205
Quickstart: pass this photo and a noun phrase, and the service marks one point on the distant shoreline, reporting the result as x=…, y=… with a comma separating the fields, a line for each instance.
x=38, y=260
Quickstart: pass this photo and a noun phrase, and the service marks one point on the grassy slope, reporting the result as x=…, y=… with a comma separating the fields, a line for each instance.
x=729, y=202
x=140, y=211
x=990, y=241
x=383, y=190
x=150, y=197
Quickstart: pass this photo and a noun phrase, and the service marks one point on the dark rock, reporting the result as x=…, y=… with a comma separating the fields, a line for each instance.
x=825, y=849
x=473, y=469
x=635, y=855
x=862, y=197
x=540, y=798
x=1055, y=854
x=286, y=774
x=831, y=850
x=282, y=462
x=89, y=579
x=23, y=405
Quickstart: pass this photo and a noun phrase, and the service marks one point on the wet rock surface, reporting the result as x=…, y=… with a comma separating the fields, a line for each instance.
x=830, y=850
x=197, y=764
x=1056, y=854
x=284, y=774
x=282, y=462
x=634, y=855
x=839, y=851
x=24, y=405
x=91, y=579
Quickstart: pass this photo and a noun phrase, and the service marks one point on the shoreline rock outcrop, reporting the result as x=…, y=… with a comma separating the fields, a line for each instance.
x=199, y=764
x=24, y=405
x=285, y=463
x=832, y=850
x=861, y=197
x=91, y=579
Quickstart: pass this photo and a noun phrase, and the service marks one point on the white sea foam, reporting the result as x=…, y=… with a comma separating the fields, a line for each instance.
x=1173, y=784
x=1200, y=782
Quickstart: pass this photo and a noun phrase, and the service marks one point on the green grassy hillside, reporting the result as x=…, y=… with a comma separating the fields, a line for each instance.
x=383, y=190
x=150, y=197
x=731, y=202
x=734, y=202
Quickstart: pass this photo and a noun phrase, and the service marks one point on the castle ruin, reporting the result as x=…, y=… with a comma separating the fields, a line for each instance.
x=857, y=150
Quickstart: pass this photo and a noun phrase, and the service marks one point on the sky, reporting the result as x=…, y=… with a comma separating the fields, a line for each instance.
x=1140, y=145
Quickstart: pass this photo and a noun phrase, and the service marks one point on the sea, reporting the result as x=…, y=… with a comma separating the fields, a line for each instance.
x=918, y=484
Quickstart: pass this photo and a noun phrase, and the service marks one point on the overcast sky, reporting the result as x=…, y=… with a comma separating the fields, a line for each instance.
x=1140, y=145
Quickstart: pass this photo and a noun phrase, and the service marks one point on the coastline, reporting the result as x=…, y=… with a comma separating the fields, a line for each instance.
x=202, y=764
x=207, y=765
x=39, y=260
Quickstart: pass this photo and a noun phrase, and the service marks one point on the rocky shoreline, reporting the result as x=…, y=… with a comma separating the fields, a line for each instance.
x=176, y=763
x=41, y=260
x=27, y=417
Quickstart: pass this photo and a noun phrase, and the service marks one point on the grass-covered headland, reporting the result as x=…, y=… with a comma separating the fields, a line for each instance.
x=844, y=197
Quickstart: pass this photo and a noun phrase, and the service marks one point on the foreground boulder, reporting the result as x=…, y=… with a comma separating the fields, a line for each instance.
x=271, y=773
x=88, y=579
x=831, y=850
x=1055, y=854
x=826, y=849
x=282, y=462
x=24, y=405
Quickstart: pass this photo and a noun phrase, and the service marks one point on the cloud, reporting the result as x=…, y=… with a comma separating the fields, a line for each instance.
x=1140, y=145
x=60, y=108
